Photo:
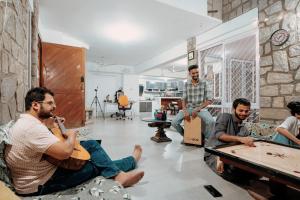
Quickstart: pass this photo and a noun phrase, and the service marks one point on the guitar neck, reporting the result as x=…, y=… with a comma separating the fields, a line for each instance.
x=61, y=126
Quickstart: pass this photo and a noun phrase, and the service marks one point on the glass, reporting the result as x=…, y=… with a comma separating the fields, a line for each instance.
x=50, y=103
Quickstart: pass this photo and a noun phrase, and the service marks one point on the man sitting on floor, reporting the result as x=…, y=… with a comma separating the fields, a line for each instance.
x=32, y=174
x=229, y=128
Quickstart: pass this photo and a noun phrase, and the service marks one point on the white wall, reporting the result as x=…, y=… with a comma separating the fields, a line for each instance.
x=168, y=56
x=108, y=83
x=164, y=72
x=57, y=37
x=234, y=28
x=195, y=6
x=131, y=89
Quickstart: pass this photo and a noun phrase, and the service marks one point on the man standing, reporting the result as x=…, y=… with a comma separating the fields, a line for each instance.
x=197, y=95
x=229, y=128
x=32, y=174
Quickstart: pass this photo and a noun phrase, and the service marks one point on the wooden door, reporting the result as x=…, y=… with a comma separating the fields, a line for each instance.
x=63, y=69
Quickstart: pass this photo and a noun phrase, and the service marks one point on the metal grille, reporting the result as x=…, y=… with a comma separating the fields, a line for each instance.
x=211, y=69
x=241, y=80
x=232, y=71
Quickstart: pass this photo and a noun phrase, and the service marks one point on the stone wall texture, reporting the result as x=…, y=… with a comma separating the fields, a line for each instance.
x=234, y=8
x=279, y=65
x=14, y=57
x=191, y=46
x=214, y=8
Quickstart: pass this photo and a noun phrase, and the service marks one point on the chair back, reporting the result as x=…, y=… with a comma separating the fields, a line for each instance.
x=123, y=101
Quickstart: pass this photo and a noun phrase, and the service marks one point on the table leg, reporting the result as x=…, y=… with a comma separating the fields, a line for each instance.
x=160, y=136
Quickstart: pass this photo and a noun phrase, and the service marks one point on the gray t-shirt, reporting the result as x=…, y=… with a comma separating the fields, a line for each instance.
x=228, y=124
x=291, y=124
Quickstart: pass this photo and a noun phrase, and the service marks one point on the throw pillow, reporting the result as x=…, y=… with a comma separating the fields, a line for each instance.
x=4, y=140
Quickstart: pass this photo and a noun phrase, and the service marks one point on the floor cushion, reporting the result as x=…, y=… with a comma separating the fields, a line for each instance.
x=97, y=188
x=4, y=172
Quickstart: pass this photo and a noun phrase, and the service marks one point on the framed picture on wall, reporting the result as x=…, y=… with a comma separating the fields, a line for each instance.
x=191, y=55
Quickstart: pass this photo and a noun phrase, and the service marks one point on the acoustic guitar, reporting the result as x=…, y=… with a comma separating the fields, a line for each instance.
x=79, y=155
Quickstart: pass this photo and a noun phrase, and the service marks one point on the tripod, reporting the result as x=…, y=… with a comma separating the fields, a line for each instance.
x=97, y=103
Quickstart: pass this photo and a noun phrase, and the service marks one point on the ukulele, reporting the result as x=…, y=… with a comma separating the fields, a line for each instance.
x=79, y=155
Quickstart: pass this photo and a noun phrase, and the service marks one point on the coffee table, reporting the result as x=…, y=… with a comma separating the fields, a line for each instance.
x=160, y=135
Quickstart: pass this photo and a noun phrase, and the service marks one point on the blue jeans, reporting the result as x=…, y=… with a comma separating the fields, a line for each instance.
x=283, y=140
x=203, y=114
x=99, y=164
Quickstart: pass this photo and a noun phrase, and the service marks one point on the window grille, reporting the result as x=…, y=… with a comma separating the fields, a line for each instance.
x=232, y=71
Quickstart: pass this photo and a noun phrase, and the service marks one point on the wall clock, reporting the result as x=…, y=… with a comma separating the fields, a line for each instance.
x=279, y=37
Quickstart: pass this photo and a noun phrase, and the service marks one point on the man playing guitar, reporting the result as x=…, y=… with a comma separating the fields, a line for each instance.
x=31, y=140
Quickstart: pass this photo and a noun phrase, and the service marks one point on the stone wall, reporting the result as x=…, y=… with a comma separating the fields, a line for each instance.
x=34, y=45
x=279, y=65
x=191, y=47
x=214, y=8
x=234, y=8
x=14, y=57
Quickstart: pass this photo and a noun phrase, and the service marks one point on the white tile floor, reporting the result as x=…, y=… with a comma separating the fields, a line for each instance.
x=172, y=171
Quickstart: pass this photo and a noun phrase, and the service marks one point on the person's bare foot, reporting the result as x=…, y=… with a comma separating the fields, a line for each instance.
x=128, y=179
x=137, y=152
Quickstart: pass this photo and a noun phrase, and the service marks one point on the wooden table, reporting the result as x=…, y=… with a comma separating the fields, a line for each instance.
x=278, y=162
x=160, y=135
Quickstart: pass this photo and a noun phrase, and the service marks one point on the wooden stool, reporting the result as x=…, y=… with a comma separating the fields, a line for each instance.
x=192, y=132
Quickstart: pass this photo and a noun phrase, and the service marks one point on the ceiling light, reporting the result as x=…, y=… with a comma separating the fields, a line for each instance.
x=123, y=31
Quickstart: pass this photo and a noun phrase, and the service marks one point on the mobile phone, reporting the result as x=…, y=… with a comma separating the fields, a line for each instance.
x=213, y=191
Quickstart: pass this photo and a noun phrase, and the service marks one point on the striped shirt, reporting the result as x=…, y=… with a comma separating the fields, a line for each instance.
x=195, y=95
x=30, y=139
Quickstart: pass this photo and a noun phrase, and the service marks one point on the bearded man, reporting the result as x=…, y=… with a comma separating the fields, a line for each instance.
x=229, y=128
x=31, y=139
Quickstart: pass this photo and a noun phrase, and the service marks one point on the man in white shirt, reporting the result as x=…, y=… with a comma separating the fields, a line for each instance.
x=32, y=174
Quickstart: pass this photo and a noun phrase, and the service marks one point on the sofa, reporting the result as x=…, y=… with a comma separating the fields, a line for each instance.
x=97, y=188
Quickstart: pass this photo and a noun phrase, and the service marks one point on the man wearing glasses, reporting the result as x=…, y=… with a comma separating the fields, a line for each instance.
x=30, y=140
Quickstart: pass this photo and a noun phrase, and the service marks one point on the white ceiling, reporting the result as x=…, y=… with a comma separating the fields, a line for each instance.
x=175, y=69
x=162, y=27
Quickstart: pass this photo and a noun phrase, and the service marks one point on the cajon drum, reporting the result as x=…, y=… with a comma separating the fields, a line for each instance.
x=6, y=193
x=192, y=132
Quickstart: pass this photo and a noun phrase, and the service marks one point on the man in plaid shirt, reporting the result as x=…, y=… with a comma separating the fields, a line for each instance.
x=197, y=95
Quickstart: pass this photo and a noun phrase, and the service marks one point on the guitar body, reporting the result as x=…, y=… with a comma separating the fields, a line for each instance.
x=77, y=159
x=79, y=152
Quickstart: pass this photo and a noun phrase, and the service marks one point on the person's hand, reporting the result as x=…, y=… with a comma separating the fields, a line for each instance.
x=70, y=133
x=61, y=119
x=206, y=103
x=187, y=116
x=249, y=141
x=194, y=114
x=220, y=166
